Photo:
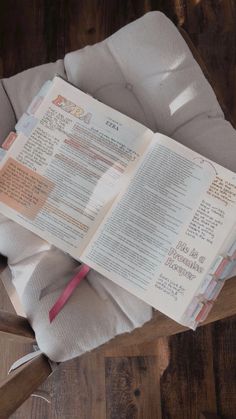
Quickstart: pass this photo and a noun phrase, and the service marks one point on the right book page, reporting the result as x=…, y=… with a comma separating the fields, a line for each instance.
x=163, y=233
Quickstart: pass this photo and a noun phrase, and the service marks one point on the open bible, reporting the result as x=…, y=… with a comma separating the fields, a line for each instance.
x=138, y=207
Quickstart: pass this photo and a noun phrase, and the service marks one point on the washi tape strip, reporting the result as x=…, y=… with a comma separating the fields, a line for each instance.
x=2, y=154
x=36, y=102
x=26, y=124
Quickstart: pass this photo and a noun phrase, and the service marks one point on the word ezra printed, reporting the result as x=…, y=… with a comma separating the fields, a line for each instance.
x=72, y=109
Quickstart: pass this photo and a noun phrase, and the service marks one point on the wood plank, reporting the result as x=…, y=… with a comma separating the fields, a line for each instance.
x=131, y=387
x=18, y=386
x=161, y=325
x=10, y=352
x=52, y=29
x=76, y=389
x=91, y=21
x=147, y=348
x=36, y=31
x=207, y=415
x=187, y=385
x=23, y=44
x=79, y=389
x=224, y=358
x=16, y=326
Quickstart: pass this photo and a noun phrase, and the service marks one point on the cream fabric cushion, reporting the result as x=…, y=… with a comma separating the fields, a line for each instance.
x=146, y=71
x=97, y=311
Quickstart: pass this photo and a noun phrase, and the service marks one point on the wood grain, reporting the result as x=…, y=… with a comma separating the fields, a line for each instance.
x=206, y=415
x=80, y=388
x=187, y=385
x=224, y=360
x=15, y=326
x=20, y=384
x=131, y=387
x=200, y=367
x=162, y=325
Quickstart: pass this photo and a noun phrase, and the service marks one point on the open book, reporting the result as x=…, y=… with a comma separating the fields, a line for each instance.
x=146, y=212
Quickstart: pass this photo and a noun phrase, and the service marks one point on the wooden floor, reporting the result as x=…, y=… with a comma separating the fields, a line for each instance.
x=170, y=379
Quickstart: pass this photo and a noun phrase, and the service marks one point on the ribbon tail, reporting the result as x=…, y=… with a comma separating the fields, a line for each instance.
x=24, y=360
x=44, y=395
x=68, y=291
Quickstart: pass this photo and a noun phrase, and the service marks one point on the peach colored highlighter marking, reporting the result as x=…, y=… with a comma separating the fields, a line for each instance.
x=22, y=189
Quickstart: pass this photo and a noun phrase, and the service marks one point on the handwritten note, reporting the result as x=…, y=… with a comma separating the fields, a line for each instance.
x=223, y=190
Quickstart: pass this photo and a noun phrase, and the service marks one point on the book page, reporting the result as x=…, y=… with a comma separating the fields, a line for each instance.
x=162, y=234
x=67, y=166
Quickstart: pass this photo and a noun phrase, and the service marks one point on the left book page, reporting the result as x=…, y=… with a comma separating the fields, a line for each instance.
x=61, y=177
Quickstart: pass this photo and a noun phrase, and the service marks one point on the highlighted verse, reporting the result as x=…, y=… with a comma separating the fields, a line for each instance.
x=22, y=189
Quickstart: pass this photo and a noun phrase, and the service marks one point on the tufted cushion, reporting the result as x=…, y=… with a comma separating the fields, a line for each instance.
x=22, y=88
x=146, y=71
x=97, y=311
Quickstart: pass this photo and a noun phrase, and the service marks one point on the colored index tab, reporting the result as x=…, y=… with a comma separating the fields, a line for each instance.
x=204, y=312
x=9, y=140
x=215, y=264
x=36, y=102
x=232, y=251
x=229, y=270
x=221, y=267
x=213, y=290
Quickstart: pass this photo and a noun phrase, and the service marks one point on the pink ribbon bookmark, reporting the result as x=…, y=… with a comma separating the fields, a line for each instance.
x=68, y=291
